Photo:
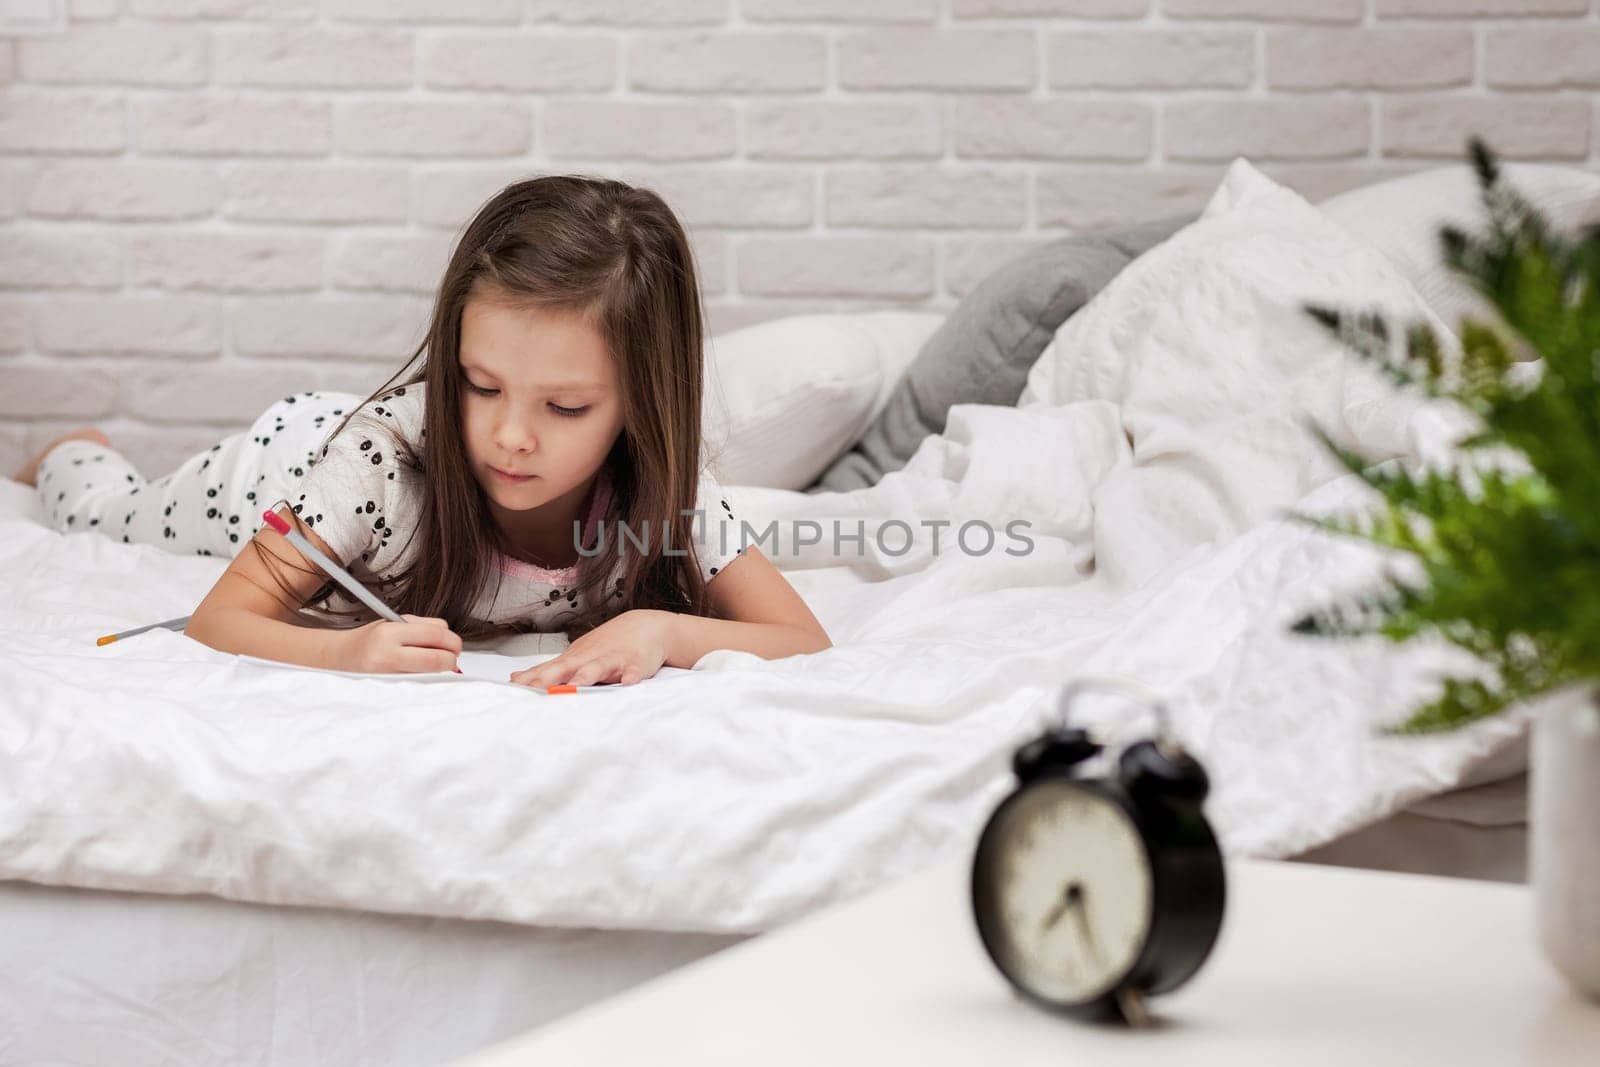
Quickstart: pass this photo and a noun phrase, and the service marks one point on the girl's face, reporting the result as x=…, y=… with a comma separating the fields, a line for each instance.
x=540, y=398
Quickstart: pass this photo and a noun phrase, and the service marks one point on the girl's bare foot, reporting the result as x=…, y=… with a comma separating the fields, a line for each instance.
x=29, y=472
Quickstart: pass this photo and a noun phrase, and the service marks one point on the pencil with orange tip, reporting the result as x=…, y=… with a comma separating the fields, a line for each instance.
x=170, y=624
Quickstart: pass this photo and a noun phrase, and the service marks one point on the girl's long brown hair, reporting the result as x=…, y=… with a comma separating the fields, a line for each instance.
x=618, y=255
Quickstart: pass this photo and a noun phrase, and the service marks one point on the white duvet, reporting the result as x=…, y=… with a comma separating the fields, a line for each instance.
x=1158, y=442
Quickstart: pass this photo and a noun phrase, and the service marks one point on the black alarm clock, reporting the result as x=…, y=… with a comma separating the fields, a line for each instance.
x=1093, y=892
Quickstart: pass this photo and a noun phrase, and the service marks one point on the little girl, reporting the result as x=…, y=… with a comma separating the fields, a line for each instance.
x=539, y=470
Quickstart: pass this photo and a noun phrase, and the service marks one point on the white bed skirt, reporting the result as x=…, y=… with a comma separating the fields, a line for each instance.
x=89, y=976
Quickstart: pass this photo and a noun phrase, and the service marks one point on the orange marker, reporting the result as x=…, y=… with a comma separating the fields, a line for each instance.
x=563, y=688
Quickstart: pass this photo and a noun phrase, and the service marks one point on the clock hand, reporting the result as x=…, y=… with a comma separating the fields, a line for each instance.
x=1080, y=911
x=1068, y=896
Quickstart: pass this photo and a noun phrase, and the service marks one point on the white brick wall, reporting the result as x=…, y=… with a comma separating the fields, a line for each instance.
x=208, y=204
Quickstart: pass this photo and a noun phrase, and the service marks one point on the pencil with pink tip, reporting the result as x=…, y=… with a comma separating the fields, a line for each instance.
x=334, y=571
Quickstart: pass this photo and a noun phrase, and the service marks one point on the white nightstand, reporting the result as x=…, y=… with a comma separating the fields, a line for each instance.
x=1315, y=965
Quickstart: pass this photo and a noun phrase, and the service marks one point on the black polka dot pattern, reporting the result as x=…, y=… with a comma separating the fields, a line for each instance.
x=713, y=541
x=212, y=503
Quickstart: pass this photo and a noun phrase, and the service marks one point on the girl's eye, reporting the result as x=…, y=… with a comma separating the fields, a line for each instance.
x=557, y=408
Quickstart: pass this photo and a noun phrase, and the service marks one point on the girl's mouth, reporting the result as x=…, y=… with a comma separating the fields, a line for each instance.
x=514, y=479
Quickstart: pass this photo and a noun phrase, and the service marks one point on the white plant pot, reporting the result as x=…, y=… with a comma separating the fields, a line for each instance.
x=1564, y=852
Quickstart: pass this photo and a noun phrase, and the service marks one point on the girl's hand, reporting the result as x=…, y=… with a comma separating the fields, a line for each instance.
x=626, y=649
x=418, y=645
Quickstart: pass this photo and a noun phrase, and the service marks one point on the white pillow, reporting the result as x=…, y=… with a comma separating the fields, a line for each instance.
x=784, y=398
x=1402, y=218
x=19, y=501
x=1203, y=348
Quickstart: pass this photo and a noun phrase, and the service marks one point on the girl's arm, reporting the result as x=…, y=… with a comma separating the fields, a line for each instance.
x=758, y=611
x=247, y=612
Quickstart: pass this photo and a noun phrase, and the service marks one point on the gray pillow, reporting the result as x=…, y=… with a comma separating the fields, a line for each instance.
x=982, y=353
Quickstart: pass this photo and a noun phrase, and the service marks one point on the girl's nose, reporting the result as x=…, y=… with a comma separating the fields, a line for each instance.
x=515, y=439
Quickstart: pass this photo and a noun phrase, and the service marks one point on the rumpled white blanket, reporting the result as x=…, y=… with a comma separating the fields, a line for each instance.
x=1151, y=458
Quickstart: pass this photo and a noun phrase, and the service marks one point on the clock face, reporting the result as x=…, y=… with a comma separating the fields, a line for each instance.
x=1067, y=887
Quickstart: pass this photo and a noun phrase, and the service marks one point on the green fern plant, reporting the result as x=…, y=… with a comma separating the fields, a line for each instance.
x=1510, y=558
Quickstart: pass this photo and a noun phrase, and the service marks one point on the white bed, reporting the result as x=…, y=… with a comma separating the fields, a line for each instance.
x=93, y=976
x=1478, y=830
x=215, y=860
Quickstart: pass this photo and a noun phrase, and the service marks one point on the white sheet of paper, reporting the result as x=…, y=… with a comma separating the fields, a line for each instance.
x=476, y=666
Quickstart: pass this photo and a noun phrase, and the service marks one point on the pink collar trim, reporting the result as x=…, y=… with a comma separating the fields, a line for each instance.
x=562, y=576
